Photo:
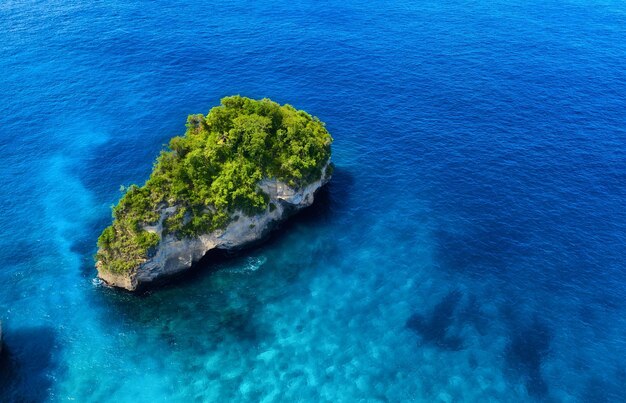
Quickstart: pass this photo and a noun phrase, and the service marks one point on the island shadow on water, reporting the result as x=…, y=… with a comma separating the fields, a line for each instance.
x=328, y=201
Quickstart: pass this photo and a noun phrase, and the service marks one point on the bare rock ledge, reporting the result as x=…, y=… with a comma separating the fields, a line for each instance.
x=174, y=255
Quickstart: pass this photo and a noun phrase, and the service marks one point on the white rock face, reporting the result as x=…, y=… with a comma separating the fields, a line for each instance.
x=174, y=255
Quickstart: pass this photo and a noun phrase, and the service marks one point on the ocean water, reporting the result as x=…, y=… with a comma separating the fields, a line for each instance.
x=469, y=247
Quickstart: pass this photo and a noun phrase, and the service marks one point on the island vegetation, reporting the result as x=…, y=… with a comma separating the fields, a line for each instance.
x=211, y=174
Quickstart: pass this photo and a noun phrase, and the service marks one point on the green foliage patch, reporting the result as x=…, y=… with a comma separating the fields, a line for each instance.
x=213, y=171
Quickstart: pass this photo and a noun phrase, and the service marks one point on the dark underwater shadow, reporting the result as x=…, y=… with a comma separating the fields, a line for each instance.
x=528, y=347
x=27, y=367
x=447, y=317
x=434, y=329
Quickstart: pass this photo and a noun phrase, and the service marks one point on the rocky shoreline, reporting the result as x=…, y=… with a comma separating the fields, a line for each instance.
x=174, y=255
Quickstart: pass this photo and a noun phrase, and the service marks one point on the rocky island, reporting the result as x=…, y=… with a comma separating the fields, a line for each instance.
x=236, y=173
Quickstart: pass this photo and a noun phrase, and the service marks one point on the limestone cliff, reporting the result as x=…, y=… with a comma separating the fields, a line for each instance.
x=174, y=255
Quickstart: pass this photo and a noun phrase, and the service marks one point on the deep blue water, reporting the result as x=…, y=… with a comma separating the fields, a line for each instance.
x=469, y=248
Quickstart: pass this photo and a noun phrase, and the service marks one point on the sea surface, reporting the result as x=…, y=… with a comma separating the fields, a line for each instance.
x=470, y=247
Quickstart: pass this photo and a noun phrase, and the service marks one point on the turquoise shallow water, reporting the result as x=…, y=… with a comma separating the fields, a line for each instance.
x=468, y=248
